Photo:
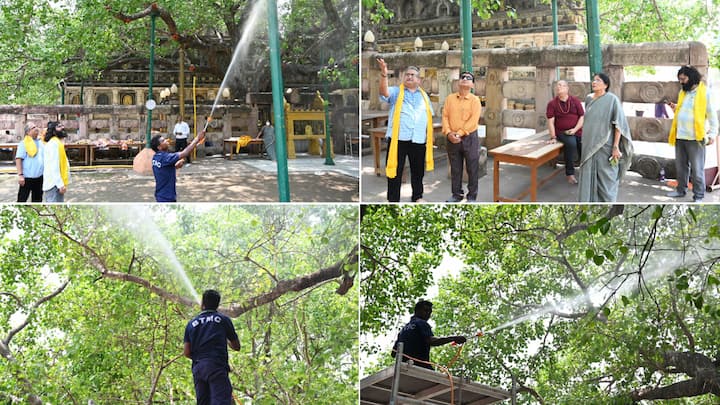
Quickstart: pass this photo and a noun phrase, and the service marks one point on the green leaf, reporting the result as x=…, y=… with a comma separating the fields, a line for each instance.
x=625, y=300
x=599, y=260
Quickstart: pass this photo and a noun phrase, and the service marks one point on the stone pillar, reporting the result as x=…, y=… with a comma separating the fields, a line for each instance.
x=115, y=97
x=90, y=94
x=227, y=125
x=444, y=77
x=544, y=78
x=83, y=126
x=114, y=120
x=617, y=78
x=140, y=98
x=494, y=105
x=373, y=79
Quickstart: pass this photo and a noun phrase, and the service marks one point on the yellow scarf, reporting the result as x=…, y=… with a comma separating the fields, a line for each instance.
x=242, y=142
x=392, y=161
x=64, y=164
x=699, y=112
x=30, y=146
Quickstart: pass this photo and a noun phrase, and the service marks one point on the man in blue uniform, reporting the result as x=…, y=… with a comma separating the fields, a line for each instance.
x=417, y=336
x=165, y=163
x=206, y=339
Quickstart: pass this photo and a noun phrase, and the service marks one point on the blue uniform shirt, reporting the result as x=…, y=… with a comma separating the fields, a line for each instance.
x=413, y=116
x=32, y=166
x=208, y=334
x=163, y=165
x=414, y=337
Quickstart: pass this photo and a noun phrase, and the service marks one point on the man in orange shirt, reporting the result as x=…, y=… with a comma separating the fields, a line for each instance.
x=461, y=115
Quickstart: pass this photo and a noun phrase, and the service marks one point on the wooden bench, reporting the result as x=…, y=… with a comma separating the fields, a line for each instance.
x=232, y=142
x=533, y=152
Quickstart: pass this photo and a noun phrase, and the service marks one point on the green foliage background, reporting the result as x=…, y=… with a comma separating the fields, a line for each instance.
x=543, y=266
x=114, y=341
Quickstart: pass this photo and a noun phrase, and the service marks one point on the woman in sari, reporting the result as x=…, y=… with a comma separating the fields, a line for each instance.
x=607, y=146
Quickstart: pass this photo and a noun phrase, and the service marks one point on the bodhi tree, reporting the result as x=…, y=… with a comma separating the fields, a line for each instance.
x=579, y=304
x=93, y=305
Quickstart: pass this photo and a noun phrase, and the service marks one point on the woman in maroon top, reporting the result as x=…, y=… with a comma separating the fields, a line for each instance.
x=565, y=119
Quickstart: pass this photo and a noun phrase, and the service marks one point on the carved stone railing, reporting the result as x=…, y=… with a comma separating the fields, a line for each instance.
x=528, y=97
x=115, y=122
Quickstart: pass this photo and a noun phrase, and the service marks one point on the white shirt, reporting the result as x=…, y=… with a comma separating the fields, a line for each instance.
x=51, y=169
x=182, y=130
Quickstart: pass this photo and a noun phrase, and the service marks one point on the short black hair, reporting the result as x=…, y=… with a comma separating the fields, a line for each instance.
x=155, y=142
x=423, y=304
x=211, y=299
x=693, y=74
x=604, y=78
x=468, y=73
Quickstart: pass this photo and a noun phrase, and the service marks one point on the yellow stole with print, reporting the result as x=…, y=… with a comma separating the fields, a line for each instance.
x=392, y=161
x=64, y=164
x=30, y=146
x=699, y=112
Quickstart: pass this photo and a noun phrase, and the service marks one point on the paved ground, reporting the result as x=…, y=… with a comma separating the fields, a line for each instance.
x=213, y=179
x=513, y=180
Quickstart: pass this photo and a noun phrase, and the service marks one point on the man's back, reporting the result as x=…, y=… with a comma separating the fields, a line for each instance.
x=208, y=334
x=415, y=338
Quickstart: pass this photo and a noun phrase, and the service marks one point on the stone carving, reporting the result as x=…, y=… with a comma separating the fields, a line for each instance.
x=519, y=89
x=652, y=93
x=647, y=166
x=518, y=119
x=649, y=129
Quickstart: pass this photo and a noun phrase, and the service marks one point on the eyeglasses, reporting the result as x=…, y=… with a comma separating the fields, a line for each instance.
x=466, y=77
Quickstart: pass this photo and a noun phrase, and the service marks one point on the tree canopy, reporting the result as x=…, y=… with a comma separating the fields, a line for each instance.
x=90, y=308
x=44, y=41
x=581, y=304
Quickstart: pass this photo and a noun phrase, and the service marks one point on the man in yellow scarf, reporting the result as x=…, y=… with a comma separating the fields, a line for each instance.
x=56, y=170
x=409, y=133
x=29, y=163
x=689, y=134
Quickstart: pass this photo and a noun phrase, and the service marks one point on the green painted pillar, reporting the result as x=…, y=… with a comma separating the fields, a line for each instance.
x=328, y=140
x=466, y=27
x=153, y=16
x=555, y=32
x=555, y=22
x=593, y=23
x=278, y=105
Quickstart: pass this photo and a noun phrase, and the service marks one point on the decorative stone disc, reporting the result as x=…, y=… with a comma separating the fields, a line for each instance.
x=647, y=166
x=651, y=130
x=652, y=93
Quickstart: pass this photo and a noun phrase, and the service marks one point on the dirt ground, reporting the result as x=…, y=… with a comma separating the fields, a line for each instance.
x=213, y=179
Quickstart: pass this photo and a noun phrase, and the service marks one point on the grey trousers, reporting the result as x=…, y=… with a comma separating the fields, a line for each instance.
x=690, y=164
x=467, y=151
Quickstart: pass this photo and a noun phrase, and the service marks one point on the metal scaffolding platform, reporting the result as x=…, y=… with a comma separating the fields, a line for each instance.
x=405, y=383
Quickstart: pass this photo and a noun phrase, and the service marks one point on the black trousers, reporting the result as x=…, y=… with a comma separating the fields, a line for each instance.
x=32, y=186
x=572, y=145
x=467, y=151
x=181, y=144
x=415, y=152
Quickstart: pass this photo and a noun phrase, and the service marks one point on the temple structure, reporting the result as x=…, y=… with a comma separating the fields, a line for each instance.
x=435, y=25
